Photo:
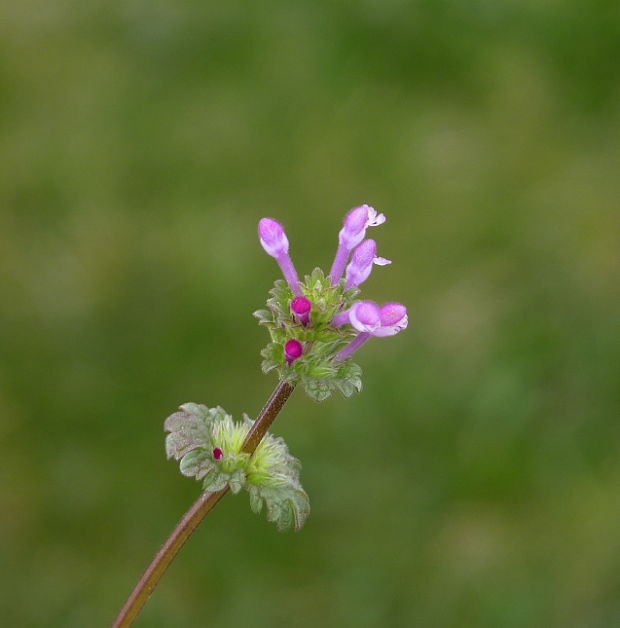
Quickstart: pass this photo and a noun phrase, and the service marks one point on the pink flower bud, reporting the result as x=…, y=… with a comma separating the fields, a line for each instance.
x=218, y=454
x=356, y=222
x=362, y=260
x=293, y=350
x=272, y=237
x=352, y=233
x=301, y=307
x=274, y=241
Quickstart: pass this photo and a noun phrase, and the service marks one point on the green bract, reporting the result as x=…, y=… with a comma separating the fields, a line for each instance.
x=270, y=475
x=317, y=370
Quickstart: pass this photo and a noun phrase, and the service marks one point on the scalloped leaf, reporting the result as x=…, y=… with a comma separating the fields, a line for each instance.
x=316, y=281
x=345, y=387
x=317, y=389
x=189, y=429
x=270, y=475
x=265, y=317
x=324, y=370
x=215, y=481
x=274, y=357
x=218, y=414
x=286, y=506
x=197, y=464
x=256, y=501
x=349, y=378
x=279, y=302
x=237, y=481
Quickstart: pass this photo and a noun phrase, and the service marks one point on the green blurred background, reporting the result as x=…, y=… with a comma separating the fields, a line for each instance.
x=476, y=480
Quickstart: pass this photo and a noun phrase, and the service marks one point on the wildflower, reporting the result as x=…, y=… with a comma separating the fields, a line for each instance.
x=341, y=319
x=352, y=233
x=393, y=319
x=274, y=241
x=199, y=436
x=323, y=321
x=365, y=316
x=301, y=307
x=293, y=350
x=371, y=320
x=362, y=260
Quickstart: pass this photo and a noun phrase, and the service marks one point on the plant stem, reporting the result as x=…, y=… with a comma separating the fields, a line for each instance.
x=267, y=416
x=194, y=516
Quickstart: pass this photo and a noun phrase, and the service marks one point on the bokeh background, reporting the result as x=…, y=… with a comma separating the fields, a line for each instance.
x=476, y=480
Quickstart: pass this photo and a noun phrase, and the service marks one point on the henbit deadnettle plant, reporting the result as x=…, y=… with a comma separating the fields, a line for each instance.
x=315, y=326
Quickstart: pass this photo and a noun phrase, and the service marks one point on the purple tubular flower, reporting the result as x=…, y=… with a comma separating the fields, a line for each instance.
x=362, y=260
x=341, y=319
x=293, y=350
x=372, y=320
x=393, y=319
x=365, y=316
x=301, y=307
x=387, y=320
x=353, y=346
x=274, y=241
x=352, y=233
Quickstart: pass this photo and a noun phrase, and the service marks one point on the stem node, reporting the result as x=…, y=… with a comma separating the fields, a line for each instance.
x=194, y=516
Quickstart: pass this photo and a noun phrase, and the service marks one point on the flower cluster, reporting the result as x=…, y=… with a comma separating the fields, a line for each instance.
x=208, y=444
x=317, y=324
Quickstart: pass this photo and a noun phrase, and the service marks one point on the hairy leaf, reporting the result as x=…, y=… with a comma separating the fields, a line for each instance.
x=189, y=429
x=197, y=463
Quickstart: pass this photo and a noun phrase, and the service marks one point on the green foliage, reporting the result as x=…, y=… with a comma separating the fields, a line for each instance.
x=317, y=370
x=286, y=506
x=270, y=475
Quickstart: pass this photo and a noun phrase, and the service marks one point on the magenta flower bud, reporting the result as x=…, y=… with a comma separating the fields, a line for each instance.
x=393, y=319
x=365, y=316
x=274, y=241
x=301, y=307
x=293, y=350
x=218, y=454
x=362, y=260
x=272, y=237
x=352, y=233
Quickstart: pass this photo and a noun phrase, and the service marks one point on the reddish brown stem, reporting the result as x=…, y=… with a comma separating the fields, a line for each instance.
x=194, y=516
